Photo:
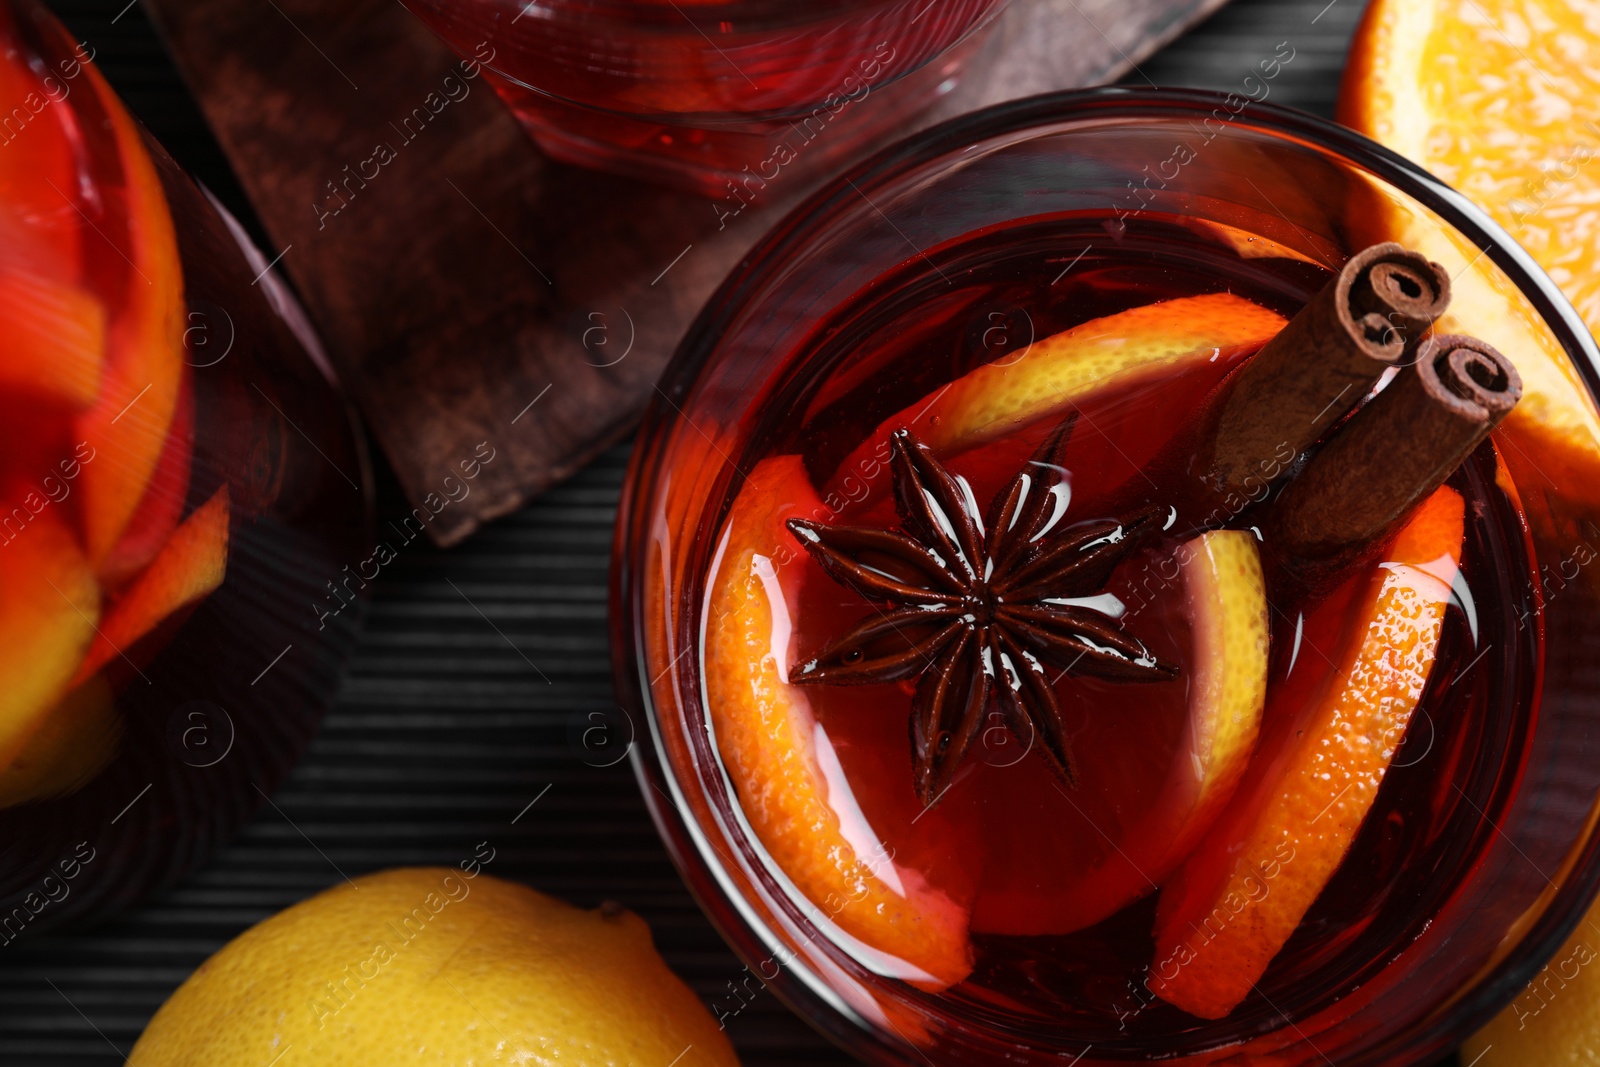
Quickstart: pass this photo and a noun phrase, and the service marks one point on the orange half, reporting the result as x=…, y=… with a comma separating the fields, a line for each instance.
x=1500, y=98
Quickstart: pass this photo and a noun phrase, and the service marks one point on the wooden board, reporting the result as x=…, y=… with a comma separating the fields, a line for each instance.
x=456, y=274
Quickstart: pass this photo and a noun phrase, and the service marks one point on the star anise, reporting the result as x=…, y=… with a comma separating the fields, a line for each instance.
x=979, y=609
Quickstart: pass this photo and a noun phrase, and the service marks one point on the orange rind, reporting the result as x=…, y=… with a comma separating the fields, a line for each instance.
x=189, y=567
x=768, y=739
x=1059, y=372
x=1225, y=599
x=127, y=426
x=1244, y=889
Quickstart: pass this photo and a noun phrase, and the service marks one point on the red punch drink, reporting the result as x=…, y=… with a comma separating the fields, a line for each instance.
x=1143, y=629
x=700, y=95
x=179, y=481
x=1111, y=677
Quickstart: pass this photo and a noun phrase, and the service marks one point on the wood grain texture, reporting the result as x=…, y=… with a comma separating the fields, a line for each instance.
x=459, y=276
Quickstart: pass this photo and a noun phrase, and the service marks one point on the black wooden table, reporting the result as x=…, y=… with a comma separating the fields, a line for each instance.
x=451, y=723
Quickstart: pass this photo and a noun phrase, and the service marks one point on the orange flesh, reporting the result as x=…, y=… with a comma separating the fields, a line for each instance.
x=1245, y=888
x=1500, y=98
x=1225, y=603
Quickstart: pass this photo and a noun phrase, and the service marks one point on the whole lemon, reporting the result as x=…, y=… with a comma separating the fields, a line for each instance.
x=431, y=965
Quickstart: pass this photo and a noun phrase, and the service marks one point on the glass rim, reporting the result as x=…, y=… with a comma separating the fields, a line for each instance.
x=751, y=16
x=797, y=985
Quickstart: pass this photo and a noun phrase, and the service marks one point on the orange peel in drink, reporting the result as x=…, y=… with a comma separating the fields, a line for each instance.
x=1243, y=891
x=769, y=742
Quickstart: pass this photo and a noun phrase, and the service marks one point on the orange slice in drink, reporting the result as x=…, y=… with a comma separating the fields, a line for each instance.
x=781, y=765
x=189, y=567
x=1146, y=343
x=41, y=231
x=1248, y=245
x=1224, y=596
x=1500, y=98
x=127, y=426
x=1244, y=889
x=55, y=338
x=49, y=605
x=164, y=496
x=74, y=742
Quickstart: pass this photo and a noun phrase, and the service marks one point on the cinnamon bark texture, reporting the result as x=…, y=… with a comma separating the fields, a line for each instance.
x=1368, y=318
x=1393, y=452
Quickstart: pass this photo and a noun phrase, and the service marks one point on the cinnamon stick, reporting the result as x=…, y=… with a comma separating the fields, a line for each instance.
x=1368, y=318
x=1393, y=452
